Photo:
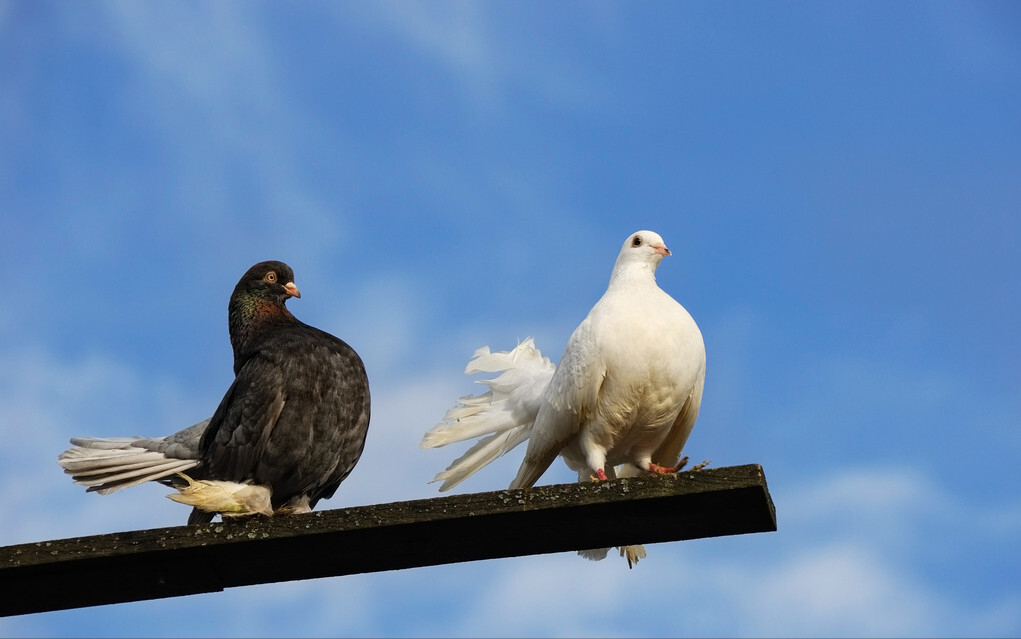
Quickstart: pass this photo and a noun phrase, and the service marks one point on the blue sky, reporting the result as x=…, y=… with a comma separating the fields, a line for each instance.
x=839, y=183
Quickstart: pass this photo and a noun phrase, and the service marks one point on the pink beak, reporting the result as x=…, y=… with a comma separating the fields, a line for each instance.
x=292, y=290
x=662, y=250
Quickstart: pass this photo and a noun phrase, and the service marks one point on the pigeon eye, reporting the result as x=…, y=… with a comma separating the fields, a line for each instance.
x=637, y=241
x=270, y=277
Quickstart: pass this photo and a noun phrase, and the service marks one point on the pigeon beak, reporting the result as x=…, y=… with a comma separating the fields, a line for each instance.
x=292, y=290
x=662, y=250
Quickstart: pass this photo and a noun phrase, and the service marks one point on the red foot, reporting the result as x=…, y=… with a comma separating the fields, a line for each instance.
x=601, y=475
x=666, y=470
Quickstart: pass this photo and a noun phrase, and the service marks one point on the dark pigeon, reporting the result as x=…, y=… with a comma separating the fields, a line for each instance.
x=294, y=420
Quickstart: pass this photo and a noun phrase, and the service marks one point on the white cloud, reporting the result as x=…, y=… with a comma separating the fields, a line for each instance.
x=553, y=595
x=836, y=590
x=45, y=400
x=458, y=34
x=206, y=86
x=854, y=557
x=469, y=40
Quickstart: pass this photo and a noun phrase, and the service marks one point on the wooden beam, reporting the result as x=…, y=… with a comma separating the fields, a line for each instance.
x=185, y=560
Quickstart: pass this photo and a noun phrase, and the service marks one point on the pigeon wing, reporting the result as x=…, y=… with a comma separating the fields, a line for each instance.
x=236, y=437
x=335, y=416
x=669, y=452
x=569, y=401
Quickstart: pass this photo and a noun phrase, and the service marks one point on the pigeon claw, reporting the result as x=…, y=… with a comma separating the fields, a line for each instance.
x=700, y=465
x=666, y=470
x=632, y=554
x=600, y=475
x=681, y=464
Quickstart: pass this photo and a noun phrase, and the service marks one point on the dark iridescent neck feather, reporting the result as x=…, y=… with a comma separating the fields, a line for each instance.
x=248, y=316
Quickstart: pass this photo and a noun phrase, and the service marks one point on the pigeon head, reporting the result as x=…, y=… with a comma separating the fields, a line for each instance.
x=257, y=303
x=271, y=280
x=641, y=253
x=647, y=244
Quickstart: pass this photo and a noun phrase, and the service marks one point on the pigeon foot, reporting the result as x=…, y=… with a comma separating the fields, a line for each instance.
x=661, y=470
x=632, y=554
x=700, y=465
x=666, y=470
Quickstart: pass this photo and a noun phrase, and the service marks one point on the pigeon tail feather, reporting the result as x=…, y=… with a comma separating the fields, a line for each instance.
x=486, y=450
x=504, y=414
x=106, y=465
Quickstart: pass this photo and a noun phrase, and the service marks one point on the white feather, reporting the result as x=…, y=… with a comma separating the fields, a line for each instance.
x=504, y=414
x=227, y=498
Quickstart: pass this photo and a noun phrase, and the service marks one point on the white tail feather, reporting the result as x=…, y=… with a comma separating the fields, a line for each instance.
x=486, y=450
x=108, y=465
x=84, y=465
x=505, y=413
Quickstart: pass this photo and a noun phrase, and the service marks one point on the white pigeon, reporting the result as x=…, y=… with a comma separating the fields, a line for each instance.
x=626, y=392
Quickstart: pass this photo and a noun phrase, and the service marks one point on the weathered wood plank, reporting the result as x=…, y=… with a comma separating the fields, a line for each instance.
x=169, y=562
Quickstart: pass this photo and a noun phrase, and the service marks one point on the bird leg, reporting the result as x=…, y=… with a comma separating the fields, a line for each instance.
x=600, y=475
x=662, y=470
x=656, y=469
x=297, y=505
